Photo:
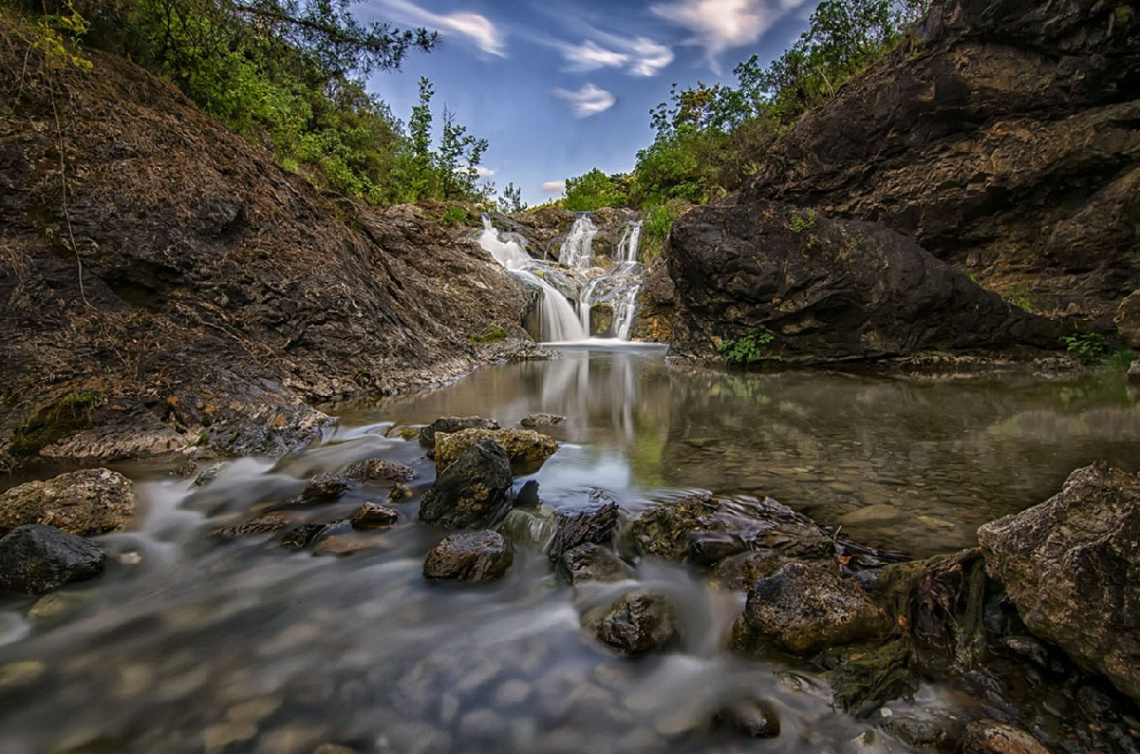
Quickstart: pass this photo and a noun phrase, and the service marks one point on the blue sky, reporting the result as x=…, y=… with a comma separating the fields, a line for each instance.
x=561, y=86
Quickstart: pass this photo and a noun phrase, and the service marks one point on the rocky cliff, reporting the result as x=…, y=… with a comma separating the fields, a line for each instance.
x=1004, y=138
x=164, y=284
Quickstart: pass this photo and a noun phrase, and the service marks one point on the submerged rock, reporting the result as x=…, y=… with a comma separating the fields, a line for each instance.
x=268, y=523
x=470, y=556
x=470, y=492
x=379, y=470
x=1072, y=567
x=526, y=448
x=36, y=559
x=752, y=717
x=641, y=621
x=994, y=737
x=590, y=562
x=374, y=516
x=542, y=420
x=324, y=488
x=87, y=502
x=451, y=424
x=804, y=609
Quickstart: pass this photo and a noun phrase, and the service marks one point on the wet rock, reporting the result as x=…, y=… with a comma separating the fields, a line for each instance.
x=302, y=536
x=470, y=492
x=379, y=470
x=940, y=733
x=527, y=527
x=528, y=496
x=703, y=529
x=36, y=559
x=526, y=448
x=1072, y=565
x=266, y=524
x=470, y=556
x=866, y=676
x=739, y=572
x=590, y=562
x=541, y=420
x=804, y=609
x=994, y=737
x=85, y=503
x=18, y=674
x=399, y=494
x=343, y=545
x=451, y=424
x=403, y=432
x=592, y=526
x=374, y=516
x=752, y=717
x=640, y=622
x=209, y=474
x=1127, y=319
x=324, y=488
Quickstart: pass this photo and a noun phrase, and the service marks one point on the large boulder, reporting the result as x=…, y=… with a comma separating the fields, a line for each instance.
x=450, y=424
x=1072, y=567
x=87, y=502
x=472, y=491
x=526, y=448
x=804, y=609
x=470, y=556
x=36, y=559
x=1004, y=141
x=783, y=284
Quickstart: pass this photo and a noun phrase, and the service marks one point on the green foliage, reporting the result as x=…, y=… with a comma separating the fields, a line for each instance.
x=659, y=220
x=1021, y=297
x=751, y=347
x=495, y=334
x=512, y=200
x=803, y=222
x=454, y=215
x=1119, y=360
x=1089, y=347
x=594, y=190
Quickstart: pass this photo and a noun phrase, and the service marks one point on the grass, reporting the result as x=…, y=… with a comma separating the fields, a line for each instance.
x=494, y=334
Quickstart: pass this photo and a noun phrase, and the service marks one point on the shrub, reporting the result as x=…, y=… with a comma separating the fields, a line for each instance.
x=751, y=347
x=495, y=334
x=1089, y=347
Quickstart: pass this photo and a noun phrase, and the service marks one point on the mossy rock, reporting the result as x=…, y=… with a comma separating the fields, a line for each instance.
x=54, y=422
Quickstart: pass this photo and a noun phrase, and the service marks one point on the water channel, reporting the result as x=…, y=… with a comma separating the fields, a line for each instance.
x=191, y=643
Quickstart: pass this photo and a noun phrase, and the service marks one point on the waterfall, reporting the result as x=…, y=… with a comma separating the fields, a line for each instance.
x=558, y=322
x=578, y=246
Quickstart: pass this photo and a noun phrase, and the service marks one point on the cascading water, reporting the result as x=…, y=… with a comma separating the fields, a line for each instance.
x=618, y=287
x=578, y=247
x=558, y=322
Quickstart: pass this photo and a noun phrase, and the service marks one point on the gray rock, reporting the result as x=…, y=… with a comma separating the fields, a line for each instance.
x=640, y=622
x=472, y=491
x=374, y=516
x=470, y=556
x=1072, y=565
x=36, y=559
x=591, y=526
x=449, y=424
x=324, y=488
x=804, y=609
x=541, y=420
x=752, y=717
x=590, y=562
x=87, y=502
x=379, y=470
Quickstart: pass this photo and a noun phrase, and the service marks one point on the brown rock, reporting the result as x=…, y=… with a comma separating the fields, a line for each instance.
x=87, y=502
x=470, y=556
x=374, y=516
x=993, y=737
x=525, y=447
x=379, y=470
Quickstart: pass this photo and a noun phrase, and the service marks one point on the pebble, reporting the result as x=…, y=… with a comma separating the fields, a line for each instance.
x=20, y=673
x=872, y=514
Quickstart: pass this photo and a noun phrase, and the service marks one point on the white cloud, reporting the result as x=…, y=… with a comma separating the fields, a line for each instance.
x=480, y=171
x=475, y=27
x=718, y=25
x=639, y=57
x=587, y=101
x=554, y=187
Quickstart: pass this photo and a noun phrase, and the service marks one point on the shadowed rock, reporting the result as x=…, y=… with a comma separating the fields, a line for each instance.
x=525, y=448
x=36, y=559
x=472, y=491
x=450, y=424
x=87, y=502
x=641, y=621
x=593, y=526
x=590, y=562
x=470, y=556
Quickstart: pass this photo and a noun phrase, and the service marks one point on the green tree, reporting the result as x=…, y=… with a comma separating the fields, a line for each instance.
x=594, y=190
x=512, y=200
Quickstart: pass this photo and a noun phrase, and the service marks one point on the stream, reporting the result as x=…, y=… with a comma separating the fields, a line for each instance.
x=191, y=643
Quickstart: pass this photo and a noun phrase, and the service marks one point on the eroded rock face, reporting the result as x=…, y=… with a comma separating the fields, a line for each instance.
x=36, y=559
x=823, y=290
x=640, y=622
x=470, y=556
x=526, y=448
x=1003, y=141
x=595, y=525
x=472, y=491
x=803, y=609
x=87, y=502
x=1072, y=565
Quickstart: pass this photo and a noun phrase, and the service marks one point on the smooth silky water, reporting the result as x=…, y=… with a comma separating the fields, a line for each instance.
x=208, y=645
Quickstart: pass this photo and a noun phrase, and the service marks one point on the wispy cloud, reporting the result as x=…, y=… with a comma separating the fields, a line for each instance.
x=479, y=170
x=587, y=101
x=639, y=57
x=554, y=187
x=473, y=26
x=718, y=25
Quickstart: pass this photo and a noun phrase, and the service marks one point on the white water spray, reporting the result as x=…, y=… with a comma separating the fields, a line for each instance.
x=577, y=249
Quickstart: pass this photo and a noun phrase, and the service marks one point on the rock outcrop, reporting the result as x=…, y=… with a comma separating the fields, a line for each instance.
x=1002, y=138
x=189, y=292
x=87, y=502
x=807, y=288
x=1072, y=565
